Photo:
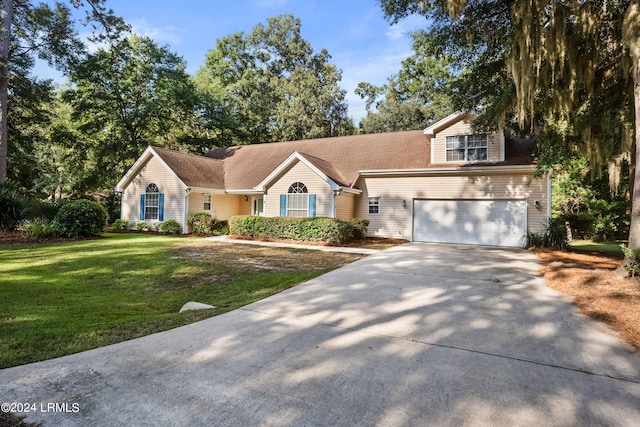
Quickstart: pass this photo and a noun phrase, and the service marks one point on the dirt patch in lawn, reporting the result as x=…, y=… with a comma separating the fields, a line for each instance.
x=367, y=242
x=596, y=289
x=262, y=257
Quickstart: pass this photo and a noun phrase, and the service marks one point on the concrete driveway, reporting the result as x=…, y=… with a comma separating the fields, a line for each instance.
x=416, y=335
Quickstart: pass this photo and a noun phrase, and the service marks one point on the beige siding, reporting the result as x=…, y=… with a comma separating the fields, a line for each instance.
x=344, y=206
x=463, y=127
x=394, y=220
x=245, y=206
x=168, y=184
x=196, y=203
x=299, y=172
x=223, y=206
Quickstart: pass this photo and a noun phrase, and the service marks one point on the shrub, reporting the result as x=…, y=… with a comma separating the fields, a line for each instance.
x=112, y=203
x=38, y=227
x=13, y=207
x=201, y=223
x=45, y=209
x=121, y=224
x=632, y=261
x=142, y=226
x=81, y=218
x=171, y=226
x=359, y=228
x=554, y=236
x=318, y=229
x=204, y=224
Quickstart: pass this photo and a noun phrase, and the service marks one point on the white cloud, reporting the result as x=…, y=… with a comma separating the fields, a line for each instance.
x=161, y=35
x=401, y=29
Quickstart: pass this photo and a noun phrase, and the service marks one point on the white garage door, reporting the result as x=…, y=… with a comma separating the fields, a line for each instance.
x=477, y=222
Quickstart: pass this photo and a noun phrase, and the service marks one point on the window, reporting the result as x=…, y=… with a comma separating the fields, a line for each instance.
x=151, y=202
x=298, y=200
x=374, y=205
x=206, y=202
x=467, y=148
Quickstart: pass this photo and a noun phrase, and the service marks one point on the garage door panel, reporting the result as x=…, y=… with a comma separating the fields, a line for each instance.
x=484, y=222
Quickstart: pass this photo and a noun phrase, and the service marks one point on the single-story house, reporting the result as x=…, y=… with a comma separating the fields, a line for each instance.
x=444, y=184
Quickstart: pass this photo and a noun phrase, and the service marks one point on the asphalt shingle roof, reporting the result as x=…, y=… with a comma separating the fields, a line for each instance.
x=340, y=158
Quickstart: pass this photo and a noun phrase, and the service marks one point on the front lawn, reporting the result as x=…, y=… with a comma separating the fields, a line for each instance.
x=62, y=298
x=610, y=248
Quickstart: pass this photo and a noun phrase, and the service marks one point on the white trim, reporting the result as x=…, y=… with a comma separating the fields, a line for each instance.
x=355, y=191
x=210, y=202
x=287, y=208
x=142, y=160
x=455, y=170
x=251, y=192
x=288, y=162
x=446, y=122
x=466, y=148
x=549, y=192
x=369, y=205
x=206, y=190
x=185, y=217
x=502, y=146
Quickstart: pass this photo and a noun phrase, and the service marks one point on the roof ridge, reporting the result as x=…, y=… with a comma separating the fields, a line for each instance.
x=324, y=138
x=169, y=150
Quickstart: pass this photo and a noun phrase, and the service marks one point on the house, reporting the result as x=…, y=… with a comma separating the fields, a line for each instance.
x=444, y=184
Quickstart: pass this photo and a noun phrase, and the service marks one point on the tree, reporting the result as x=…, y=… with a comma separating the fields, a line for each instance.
x=269, y=85
x=414, y=98
x=48, y=33
x=125, y=98
x=565, y=60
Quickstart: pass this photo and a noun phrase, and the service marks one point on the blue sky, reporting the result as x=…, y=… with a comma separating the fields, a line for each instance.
x=362, y=44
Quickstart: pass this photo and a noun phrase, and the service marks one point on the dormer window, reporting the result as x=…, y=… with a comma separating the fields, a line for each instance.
x=467, y=148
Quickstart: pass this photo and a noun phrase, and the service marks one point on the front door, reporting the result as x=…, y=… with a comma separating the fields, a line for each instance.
x=258, y=206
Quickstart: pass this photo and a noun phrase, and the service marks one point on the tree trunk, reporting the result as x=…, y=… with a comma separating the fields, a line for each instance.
x=631, y=37
x=634, y=230
x=5, y=44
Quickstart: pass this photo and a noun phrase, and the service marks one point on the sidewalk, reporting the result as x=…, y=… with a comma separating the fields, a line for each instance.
x=348, y=250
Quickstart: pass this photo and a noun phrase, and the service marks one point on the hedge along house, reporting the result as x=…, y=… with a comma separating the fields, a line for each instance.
x=444, y=184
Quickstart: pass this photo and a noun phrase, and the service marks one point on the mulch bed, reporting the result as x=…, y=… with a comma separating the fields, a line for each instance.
x=597, y=288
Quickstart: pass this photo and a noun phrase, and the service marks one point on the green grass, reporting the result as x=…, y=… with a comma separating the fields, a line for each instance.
x=608, y=248
x=62, y=298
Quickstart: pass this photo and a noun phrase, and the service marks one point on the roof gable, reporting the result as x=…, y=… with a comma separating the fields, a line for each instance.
x=133, y=171
x=318, y=166
x=192, y=170
x=450, y=120
x=339, y=158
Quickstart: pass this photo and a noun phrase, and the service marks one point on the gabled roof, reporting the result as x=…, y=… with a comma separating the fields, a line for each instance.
x=340, y=158
x=243, y=169
x=194, y=171
x=451, y=119
x=320, y=167
x=191, y=170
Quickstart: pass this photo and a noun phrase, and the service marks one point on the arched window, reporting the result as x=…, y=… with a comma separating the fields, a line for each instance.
x=151, y=203
x=297, y=188
x=298, y=200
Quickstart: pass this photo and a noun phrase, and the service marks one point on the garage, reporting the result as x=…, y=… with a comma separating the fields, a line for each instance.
x=474, y=222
